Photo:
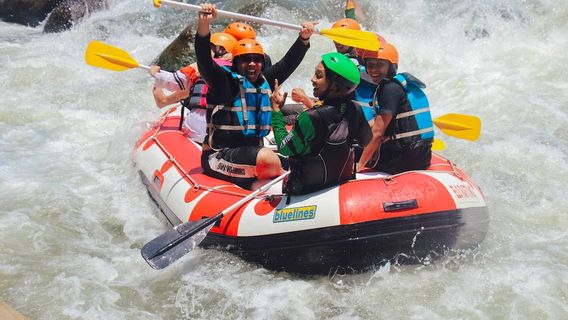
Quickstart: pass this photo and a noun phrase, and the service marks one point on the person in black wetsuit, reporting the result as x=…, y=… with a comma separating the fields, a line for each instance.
x=320, y=143
x=238, y=110
x=402, y=132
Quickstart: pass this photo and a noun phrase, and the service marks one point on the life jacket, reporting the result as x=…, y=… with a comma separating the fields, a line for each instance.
x=417, y=116
x=365, y=93
x=199, y=88
x=197, y=95
x=249, y=115
x=333, y=163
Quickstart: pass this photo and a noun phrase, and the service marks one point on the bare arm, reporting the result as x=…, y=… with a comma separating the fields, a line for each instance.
x=293, y=57
x=163, y=100
x=207, y=14
x=379, y=126
x=300, y=96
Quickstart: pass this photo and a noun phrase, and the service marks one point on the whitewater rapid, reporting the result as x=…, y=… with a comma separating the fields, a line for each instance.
x=74, y=215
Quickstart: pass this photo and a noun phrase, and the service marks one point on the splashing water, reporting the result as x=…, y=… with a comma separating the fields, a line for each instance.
x=74, y=214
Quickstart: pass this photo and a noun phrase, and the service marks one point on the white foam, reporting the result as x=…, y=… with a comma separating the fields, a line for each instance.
x=74, y=215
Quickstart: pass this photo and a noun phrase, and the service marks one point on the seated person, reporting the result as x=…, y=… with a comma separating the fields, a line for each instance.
x=320, y=143
x=347, y=23
x=238, y=105
x=402, y=129
x=188, y=87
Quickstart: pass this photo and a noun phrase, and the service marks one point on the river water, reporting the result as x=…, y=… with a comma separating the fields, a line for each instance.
x=74, y=215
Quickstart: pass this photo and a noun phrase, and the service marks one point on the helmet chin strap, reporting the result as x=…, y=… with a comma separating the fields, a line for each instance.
x=392, y=69
x=324, y=95
x=327, y=92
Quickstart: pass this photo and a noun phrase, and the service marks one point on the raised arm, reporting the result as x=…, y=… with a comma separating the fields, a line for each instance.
x=292, y=59
x=215, y=76
x=298, y=140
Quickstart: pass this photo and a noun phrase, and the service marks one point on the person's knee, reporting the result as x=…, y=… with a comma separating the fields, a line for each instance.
x=267, y=164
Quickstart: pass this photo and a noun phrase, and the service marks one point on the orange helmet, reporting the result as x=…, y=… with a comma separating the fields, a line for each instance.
x=247, y=46
x=386, y=52
x=240, y=31
x=224, y=40
x=346, y=23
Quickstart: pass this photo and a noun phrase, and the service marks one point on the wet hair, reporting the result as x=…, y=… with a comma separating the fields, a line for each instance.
x=235, y=64
x=267, y=63
x=393, y=67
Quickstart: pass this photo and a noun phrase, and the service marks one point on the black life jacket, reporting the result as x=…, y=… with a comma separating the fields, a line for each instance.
x=333, y=162
x=197, y=95
x=413, y=121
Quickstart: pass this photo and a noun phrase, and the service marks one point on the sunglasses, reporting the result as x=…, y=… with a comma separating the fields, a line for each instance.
x=251, y=58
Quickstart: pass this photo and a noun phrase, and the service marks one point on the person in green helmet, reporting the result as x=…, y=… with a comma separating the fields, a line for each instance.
x=319, y=146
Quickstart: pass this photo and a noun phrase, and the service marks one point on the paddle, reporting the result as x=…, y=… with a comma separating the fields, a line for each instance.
x=102, y=55
x=459, y=125
x=438, y=145
x=352, y=38
x=105, y=56
x=175, y=243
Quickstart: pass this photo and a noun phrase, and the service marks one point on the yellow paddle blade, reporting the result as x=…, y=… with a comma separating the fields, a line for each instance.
x=460, y=126
x=353, y=38
x=438, y=145
x=102, y=55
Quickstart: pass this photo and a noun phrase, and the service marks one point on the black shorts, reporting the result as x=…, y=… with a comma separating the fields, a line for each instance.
x=236, y=165
x=409, y=158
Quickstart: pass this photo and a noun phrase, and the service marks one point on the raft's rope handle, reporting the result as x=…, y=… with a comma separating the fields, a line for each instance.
x=411, y=171
x=455, y=171
x=171, y=158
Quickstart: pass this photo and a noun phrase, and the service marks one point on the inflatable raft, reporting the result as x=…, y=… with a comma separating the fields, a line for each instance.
x=353, y=226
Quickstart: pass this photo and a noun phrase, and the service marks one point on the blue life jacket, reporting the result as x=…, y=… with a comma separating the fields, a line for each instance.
x=364, y=94
x=419, y=110
x=249, y=115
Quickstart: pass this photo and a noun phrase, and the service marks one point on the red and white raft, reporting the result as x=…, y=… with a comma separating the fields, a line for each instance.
x=353, y=226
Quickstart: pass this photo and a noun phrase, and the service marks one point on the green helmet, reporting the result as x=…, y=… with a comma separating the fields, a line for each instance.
x=344, y=71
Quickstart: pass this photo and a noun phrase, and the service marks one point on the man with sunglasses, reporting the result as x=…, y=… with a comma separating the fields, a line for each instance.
x=240, y=31
x=238, y=110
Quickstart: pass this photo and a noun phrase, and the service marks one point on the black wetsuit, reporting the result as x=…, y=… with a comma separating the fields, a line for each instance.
x=405, y=154
x=320, y=149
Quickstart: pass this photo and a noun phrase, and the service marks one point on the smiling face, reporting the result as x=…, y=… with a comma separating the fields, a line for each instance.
x=377, y=69
x=250, y=66
x=319, y=81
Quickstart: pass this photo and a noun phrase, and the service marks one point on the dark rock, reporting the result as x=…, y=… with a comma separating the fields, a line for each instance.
x=26, y=12
x=69, y=12
x=179, y=53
